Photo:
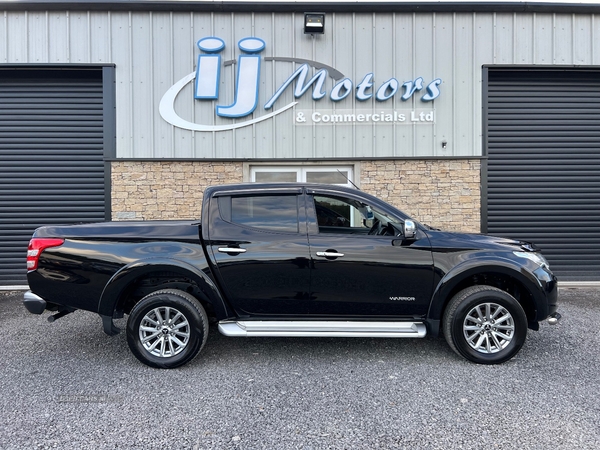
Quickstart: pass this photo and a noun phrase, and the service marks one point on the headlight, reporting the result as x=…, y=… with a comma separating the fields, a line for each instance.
x=535, y=257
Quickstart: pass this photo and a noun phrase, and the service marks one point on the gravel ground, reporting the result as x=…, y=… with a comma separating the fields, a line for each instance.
x=68, y=385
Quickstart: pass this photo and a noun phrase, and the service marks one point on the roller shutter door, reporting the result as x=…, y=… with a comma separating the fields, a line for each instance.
x=51, y=157
x=543, y=169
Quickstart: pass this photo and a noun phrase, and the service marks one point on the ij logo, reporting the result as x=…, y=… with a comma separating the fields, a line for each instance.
x=208, y=73
x=208, y=70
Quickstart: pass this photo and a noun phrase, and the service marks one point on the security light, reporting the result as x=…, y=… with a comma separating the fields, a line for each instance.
x=314, y=23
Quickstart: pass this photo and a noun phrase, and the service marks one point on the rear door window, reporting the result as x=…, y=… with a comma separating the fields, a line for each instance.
x=267, y=212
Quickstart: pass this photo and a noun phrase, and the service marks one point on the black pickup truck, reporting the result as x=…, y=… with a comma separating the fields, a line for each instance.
x=292, y=260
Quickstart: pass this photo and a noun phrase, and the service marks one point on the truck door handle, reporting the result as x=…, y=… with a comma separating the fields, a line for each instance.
x=330, y=254
x=232, y=250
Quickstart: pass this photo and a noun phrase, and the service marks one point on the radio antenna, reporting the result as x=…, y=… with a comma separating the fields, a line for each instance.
x=348, y=179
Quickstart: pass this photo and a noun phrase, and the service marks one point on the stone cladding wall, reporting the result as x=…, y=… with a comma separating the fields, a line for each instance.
x=151, y=190
x=441, y=193
x=445, y=194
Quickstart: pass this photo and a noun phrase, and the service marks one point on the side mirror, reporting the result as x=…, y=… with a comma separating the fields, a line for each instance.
x=410, y=229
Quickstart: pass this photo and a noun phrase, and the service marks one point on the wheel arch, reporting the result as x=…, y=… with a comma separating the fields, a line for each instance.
x=516, y=281
x=134, y=281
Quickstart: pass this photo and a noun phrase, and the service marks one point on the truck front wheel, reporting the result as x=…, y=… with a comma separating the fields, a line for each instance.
x=167, y=328
x=485, y=325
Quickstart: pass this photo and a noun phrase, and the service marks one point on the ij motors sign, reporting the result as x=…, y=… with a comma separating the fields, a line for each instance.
x=206, y=81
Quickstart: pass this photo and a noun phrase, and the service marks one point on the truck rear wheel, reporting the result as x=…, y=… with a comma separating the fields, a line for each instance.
x=167, y=329
x=485, y=325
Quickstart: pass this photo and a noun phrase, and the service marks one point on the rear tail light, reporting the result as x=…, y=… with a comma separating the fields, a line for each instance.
x=36, y=247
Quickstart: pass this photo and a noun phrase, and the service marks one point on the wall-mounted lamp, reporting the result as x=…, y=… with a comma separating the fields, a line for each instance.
x=444, y=144
x=314, y=23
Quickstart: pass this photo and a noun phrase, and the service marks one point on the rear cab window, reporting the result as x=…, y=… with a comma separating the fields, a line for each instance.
x=266, y=212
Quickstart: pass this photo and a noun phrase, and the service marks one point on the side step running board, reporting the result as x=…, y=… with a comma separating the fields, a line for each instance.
x=297, y=328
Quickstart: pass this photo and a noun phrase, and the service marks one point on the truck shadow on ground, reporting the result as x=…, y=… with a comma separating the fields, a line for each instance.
x=86, y=340
x=79, y=337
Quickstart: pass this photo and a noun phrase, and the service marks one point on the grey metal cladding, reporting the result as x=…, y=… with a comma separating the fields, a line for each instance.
x=543, y=166
x=51, y=156
x=153, y=49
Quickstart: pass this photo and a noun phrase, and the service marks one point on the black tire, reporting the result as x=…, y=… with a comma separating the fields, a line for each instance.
x=486, y=341
x=173, y=341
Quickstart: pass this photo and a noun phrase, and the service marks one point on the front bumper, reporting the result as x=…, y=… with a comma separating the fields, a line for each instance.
x=549, y=290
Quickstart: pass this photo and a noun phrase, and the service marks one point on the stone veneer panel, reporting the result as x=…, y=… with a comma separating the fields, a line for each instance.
x=151, y=190
x=441, y=193
x=445, y=194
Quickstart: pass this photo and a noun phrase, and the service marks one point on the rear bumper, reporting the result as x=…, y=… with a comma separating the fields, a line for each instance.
x=34, y=303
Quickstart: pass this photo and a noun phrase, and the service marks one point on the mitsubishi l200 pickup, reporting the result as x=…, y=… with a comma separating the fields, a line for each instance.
x=292, y=260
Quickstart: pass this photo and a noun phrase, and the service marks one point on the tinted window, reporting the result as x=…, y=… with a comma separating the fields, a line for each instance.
x=270, y=212
x=340, y=212
x=346, y=215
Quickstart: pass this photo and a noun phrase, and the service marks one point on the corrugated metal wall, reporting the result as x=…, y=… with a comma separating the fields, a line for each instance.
x=51, y=157
x=152, y=50
x=544, y=165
